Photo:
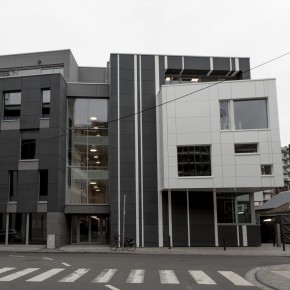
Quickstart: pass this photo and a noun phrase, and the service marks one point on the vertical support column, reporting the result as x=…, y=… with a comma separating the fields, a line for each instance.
x=136, y=150
x=159, y=192
x=238, y=235
x=27, y=229
x=216, y=234
x=253, y=212
x=119, y=170
x=245, y=236
x=141, y=150
x=7, y=229
x=170, y=217
x=188, y=218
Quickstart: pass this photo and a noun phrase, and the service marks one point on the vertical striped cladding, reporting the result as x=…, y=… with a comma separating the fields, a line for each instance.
x=132, y=90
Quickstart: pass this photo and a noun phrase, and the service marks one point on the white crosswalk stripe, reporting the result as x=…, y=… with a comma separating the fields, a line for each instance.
x=136, y=276
x=168, y=277
x=285, y=274
x=45, y=275
x=18, y=274
x=6, y=269
x=75, y=275
x=201, y=278
x=105, y=276
x=235, y=278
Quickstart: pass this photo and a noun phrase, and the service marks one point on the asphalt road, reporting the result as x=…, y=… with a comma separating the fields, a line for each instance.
x=127, y=271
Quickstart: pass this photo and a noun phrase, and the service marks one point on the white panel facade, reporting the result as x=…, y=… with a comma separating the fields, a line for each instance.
x=195, y=120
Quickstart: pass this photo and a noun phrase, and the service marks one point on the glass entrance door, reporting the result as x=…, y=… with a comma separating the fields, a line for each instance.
x=90, y=229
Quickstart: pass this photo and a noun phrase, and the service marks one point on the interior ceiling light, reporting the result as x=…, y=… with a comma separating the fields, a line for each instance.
x=93, y=182
x=96, y=127
x=93, y=149
x=96, y=156
x=95, y=186
x=93, y=118
x=98, y=135
x=194, y=80
x=97, y=190
x=167, y=79
x=98, y=162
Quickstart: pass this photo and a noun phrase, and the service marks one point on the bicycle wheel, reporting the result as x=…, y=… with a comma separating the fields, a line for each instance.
x=114, y=245
x=130, y=245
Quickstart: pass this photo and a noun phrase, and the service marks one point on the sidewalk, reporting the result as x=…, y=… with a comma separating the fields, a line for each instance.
x=267, y=278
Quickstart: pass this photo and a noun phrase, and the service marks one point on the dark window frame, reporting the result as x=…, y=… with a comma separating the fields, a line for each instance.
x=28, y=149
x=43, y=184
x=45, y=106
x=246, y=148
x=16, y=108
x=265, y=169
x=13, y=181
x=194, y=161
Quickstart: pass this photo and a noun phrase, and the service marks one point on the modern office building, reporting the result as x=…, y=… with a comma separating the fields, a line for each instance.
x=169, y=148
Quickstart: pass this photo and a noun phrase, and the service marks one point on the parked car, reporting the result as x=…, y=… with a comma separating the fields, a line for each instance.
x=13, y=235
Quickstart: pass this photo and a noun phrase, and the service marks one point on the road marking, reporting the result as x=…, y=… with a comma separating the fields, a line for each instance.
x=105, y=276
x=201, y=278
x=47, y=259
x=235, y=278
x=18, y=274
x=168, y=277
x=136, y=276
x=65, y=264
x=3, y=270
x=17, y=256
x=112, y=287
x=45, y=275
x=75, y=275
x=285, y=274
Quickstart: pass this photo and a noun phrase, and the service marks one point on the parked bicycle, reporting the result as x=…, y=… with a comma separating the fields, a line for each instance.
x=117, y=241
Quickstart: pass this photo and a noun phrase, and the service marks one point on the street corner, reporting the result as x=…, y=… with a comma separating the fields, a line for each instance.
x=276, y=277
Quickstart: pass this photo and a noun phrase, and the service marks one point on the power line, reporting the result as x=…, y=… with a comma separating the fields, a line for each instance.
x=183, y=96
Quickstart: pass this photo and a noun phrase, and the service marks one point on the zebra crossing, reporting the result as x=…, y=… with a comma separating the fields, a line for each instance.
x=135, y=276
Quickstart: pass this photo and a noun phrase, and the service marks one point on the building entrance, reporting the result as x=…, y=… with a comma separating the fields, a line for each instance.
x=90, y=229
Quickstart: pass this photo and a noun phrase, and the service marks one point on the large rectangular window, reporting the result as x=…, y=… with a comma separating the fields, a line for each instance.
x=194, y=160
x=12, y=103
x=45, y=105
x=233, y=208
x=245, y=114
x=251, y=114
x=87, y=180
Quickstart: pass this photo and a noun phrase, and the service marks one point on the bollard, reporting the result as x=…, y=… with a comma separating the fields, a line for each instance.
x=224, y=243
x=283, y=243
x=274, y=240
x=169, y=243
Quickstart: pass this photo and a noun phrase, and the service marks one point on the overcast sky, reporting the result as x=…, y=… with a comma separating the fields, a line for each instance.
x=92, y=29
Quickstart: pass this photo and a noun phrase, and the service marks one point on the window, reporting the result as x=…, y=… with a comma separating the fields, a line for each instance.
x=233, y=208
x=43, y=184
x=247, y=114
x=224, y=115
x=246, y=148
x=45, y=105
x=13, y=180
x=266, y=169
x=250, y=114
x=194, y=160
x=28, y=149
x=12, y=102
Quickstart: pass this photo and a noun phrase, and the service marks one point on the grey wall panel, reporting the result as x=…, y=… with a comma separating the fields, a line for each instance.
x=227, y=235
x=161, y=70
x=179, y=219
x=27, y=191
x=196, y=63
x=254, y=235
x=201, y=219
x=245, y=68
x=174, y=62
x=93, y=74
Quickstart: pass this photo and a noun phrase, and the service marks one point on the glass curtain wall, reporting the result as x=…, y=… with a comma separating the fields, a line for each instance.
x=87, y=169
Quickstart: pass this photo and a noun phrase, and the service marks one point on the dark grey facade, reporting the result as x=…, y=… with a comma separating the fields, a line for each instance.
x=129, y=84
